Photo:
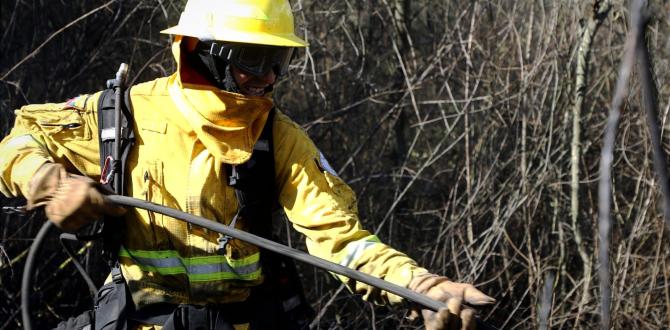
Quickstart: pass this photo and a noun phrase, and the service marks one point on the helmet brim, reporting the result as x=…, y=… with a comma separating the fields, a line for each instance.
x=281, y=40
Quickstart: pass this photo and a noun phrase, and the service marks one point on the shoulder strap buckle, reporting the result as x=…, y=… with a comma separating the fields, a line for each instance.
x=224, y=239
x=234, y=177
x=117, y=275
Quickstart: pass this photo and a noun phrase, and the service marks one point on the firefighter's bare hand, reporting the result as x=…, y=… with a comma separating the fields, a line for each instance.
x=454, y=315
x=70, y=201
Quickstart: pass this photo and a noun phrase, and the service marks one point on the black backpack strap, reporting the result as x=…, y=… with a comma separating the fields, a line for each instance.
x=257, y=197
x=253, y=182
x=112, y=229
x=107, y=134
x=112, y=302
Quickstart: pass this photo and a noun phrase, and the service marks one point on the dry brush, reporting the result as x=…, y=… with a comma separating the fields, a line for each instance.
x=453, y=122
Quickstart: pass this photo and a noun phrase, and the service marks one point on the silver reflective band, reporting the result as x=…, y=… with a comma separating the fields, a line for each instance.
x=22, y=141
x=198, y=269
x=356, y=249
x=201, y=268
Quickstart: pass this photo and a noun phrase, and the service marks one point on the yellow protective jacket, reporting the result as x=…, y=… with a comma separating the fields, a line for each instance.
x=185, y=131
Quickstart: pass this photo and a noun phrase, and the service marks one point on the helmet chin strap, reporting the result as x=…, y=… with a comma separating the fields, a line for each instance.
x=229, y=83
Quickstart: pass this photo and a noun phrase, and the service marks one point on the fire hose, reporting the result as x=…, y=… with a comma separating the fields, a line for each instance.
x=267, y=244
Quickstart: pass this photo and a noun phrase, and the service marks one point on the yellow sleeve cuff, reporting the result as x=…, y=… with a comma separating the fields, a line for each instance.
x=402, y=278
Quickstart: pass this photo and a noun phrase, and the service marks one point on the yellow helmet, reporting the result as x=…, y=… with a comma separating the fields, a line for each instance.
x=262, y=22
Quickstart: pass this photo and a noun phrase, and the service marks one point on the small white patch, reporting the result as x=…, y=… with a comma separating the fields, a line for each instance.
x=262, y=145
x=325, y=165
x=22, y=141
x=108, y=134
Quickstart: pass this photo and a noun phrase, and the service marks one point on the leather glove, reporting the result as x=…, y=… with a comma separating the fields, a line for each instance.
x=454, y=315
x=70, y=201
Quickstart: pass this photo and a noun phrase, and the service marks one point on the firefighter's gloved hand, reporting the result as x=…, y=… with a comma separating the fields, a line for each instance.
x=70, y=201
x=455, y=315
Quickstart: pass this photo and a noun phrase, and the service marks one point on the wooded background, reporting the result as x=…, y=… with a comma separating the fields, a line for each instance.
x=464, y=127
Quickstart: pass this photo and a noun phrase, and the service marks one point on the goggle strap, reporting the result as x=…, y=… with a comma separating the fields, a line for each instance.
x=218, y=50
x=210, y=63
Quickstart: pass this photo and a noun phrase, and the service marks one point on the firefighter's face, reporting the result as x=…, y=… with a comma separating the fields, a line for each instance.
x=253, y=85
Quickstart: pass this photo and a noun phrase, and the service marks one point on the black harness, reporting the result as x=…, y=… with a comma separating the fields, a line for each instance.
x=113, y=228
x=277, y=304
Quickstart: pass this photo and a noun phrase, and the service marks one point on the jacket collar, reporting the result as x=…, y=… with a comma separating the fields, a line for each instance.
x=227, y=123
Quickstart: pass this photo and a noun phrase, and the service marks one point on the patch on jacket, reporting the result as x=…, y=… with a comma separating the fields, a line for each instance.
x=324, y=165
x=77, y=102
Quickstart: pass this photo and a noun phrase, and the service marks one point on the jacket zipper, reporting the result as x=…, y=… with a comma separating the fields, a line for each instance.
x=64, y=126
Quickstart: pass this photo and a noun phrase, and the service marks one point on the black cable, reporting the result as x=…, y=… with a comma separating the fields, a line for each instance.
x=71, y=237
x=287, y=251
x=241, y=235
x=28, y=273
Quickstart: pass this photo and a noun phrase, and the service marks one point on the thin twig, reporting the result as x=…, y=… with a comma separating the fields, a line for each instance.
x=53, y=35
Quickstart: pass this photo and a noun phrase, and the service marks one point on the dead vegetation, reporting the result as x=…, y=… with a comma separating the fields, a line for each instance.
x=453, y=122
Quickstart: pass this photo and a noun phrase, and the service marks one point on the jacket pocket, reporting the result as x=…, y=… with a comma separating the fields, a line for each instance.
x=153, y=185
x=60, y=120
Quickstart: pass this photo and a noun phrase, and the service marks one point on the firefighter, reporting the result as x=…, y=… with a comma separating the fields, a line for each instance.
x=188, y=126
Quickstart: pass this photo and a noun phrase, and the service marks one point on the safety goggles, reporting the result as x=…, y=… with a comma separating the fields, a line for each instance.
x=254, y=59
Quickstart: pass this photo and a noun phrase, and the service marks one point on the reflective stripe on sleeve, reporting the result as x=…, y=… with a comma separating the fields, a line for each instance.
x=206, y=268
x=356, y=249
x=22, y=141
